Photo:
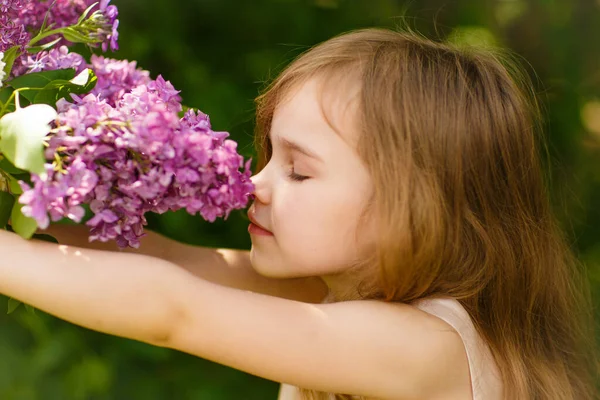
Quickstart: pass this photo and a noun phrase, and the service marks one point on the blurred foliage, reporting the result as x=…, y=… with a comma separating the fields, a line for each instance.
x=220, y=53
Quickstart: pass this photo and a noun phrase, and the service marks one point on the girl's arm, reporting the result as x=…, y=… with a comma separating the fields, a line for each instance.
x=227, y=267
x=118, y=293
x=370, y=348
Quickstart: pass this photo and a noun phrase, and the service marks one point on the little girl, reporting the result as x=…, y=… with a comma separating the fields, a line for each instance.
x=403, y=244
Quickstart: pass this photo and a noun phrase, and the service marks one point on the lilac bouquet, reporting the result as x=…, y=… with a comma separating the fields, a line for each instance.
x=102, y=134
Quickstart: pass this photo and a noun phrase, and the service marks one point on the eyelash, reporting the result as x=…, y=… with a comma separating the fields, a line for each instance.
x=295, y=177
x=292, y=175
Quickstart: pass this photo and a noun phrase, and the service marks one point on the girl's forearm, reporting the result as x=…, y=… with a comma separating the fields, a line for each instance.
x=152, y=244
x=117, y=293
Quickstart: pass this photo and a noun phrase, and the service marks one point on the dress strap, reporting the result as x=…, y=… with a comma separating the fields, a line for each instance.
x=486, y=383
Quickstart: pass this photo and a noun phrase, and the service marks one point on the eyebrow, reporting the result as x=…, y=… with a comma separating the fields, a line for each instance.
x=296, y=147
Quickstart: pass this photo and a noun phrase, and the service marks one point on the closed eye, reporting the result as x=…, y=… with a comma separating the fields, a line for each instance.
x=295, y=177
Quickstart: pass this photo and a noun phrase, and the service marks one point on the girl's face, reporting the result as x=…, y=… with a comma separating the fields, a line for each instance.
x=313, y=190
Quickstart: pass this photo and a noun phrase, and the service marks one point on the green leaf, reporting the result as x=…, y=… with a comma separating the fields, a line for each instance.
x=13, y=185
x=30, y=309
x=44, y=23
x=5, y=94
x=26, y=177
x=78, y=84
x=57, y=84
x=37, y=81
x=42, y=47
x=10, y=56
x=47, y=96
x=7, y=166
x=73, y=36
x=6, y=205
x=60, y=88
x=41, y=79
x=45, y=237
x=22, y=225
x=85, y=13
x=81, y=79
x=86, y=87
x=13, y=305
x=23, y=132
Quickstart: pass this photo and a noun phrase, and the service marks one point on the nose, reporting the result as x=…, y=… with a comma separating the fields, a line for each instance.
x=262, y=192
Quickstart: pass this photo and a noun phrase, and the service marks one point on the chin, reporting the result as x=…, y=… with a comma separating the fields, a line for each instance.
x=265, y=267
x=273, y=273
x=273, y=270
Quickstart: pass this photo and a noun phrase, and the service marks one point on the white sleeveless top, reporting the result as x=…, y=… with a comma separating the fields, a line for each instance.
x=486, y=383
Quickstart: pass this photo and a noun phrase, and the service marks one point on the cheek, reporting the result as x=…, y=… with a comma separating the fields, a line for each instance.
x=312, y=211
x=317, y=225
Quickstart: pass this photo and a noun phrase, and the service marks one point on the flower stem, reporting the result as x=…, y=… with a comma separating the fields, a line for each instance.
x=45, y=35
x=7, y=103
x=3, y=109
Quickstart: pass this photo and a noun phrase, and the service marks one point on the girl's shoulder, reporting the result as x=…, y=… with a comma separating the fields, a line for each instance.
x=420, y=355
x=486, y=380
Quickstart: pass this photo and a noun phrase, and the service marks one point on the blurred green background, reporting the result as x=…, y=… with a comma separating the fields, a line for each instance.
x=220, y=53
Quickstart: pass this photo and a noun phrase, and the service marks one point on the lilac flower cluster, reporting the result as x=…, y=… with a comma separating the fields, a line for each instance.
x=57, y=58
x=115, y=77
x=12, y=31
x=103, y=25
x=20, y=19
x=133, y=157
x=121, y=149
x=63, y=13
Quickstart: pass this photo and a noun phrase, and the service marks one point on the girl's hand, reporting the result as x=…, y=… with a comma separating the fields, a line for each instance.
x=227, y=267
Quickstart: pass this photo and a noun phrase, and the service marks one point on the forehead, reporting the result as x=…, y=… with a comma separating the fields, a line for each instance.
x=318, y=109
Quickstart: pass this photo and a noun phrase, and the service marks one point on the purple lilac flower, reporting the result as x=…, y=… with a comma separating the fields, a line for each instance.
x=110, y=13
x=54, y=59
x=58, y=194
x=116, y=77
x=63, y=13
x=134, y=157
x=101, y=26
x=7, y=6
x=12, y=31
x=26, y=18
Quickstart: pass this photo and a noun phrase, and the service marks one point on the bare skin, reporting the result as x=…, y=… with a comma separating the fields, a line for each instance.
x=261, y=311
x=326, y=347
x=227, y=267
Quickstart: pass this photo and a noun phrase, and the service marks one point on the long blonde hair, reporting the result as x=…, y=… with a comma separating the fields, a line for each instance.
x=451, y=138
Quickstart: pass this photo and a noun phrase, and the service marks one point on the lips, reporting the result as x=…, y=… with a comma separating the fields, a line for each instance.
x=251, y=218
